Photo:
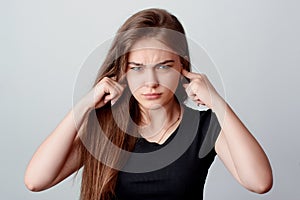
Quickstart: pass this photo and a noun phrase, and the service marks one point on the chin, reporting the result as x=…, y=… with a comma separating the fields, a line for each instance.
x=152, y=106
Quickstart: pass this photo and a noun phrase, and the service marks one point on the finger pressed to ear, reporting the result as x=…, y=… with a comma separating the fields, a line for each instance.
x=189, y=75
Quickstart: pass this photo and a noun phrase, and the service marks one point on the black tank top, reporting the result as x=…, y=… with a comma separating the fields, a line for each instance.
x=176, y=169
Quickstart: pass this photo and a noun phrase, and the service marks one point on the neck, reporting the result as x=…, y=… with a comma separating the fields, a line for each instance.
x=156, y=120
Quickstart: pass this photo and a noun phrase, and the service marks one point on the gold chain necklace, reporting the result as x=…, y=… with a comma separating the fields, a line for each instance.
x=165, y=132
x=163, y=135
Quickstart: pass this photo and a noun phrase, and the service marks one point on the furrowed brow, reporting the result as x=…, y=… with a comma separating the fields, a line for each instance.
x=136, y=64
x=160, y=63
x=165, y=62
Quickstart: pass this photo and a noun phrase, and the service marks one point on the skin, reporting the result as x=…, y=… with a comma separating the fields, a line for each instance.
x=152, y=75
x=241, y=154
x=236, y=147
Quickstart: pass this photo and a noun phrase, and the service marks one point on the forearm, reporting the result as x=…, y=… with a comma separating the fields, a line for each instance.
x=51, y=155
x=250, y=161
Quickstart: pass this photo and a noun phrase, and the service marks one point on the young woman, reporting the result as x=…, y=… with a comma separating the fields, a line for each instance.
x=133, y=134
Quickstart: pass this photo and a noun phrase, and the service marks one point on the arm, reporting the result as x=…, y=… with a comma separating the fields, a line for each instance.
x=240, y=152
x=58, y=157
x=237, y=148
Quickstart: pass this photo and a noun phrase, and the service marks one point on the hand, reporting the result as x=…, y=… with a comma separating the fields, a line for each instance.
x=104, y=91
x=200, y=90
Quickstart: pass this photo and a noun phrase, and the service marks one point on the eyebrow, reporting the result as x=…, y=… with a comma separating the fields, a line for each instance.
x=160, y=63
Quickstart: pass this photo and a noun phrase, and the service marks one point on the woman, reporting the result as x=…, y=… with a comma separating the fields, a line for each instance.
x=138, y=101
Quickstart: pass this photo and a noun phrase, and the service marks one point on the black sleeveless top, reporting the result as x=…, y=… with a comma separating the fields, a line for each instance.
x=176, y=169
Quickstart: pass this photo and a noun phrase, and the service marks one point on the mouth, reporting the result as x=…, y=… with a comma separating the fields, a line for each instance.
x=152, y=96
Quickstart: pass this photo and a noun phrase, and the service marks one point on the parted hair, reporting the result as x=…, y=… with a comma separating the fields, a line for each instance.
x=102, y=128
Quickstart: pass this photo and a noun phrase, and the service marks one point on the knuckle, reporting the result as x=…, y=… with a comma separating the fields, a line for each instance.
x=203, y=76
x=105, y=80
x=98, y=87
x=198, y=80
x=114, y=93
x=194, y=84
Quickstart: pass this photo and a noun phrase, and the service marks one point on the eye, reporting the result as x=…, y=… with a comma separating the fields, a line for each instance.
x=136, y=68
x=163, y=67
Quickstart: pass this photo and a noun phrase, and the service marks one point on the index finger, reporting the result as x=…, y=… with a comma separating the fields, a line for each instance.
x=189, y=75
x=119, y=78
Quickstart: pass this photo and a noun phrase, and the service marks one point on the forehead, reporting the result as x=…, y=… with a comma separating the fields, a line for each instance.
x=150, y=50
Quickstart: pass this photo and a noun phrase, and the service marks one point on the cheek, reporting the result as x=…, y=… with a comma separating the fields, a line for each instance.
x=170, y=81
x=134, y=82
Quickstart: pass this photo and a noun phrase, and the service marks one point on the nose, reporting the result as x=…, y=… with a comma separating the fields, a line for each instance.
x=151, y=79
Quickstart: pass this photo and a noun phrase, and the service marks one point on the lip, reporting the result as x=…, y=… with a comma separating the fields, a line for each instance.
x=152, y=96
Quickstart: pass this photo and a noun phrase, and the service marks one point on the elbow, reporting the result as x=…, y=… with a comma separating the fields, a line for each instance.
x=258, y=183
x=30, y=185
x=266, y=184
x=263, y=186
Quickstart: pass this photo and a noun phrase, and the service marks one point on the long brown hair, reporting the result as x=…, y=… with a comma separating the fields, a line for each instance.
x=100, y=160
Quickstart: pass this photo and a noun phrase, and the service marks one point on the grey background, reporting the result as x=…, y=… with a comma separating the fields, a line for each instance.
x=254, y=44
